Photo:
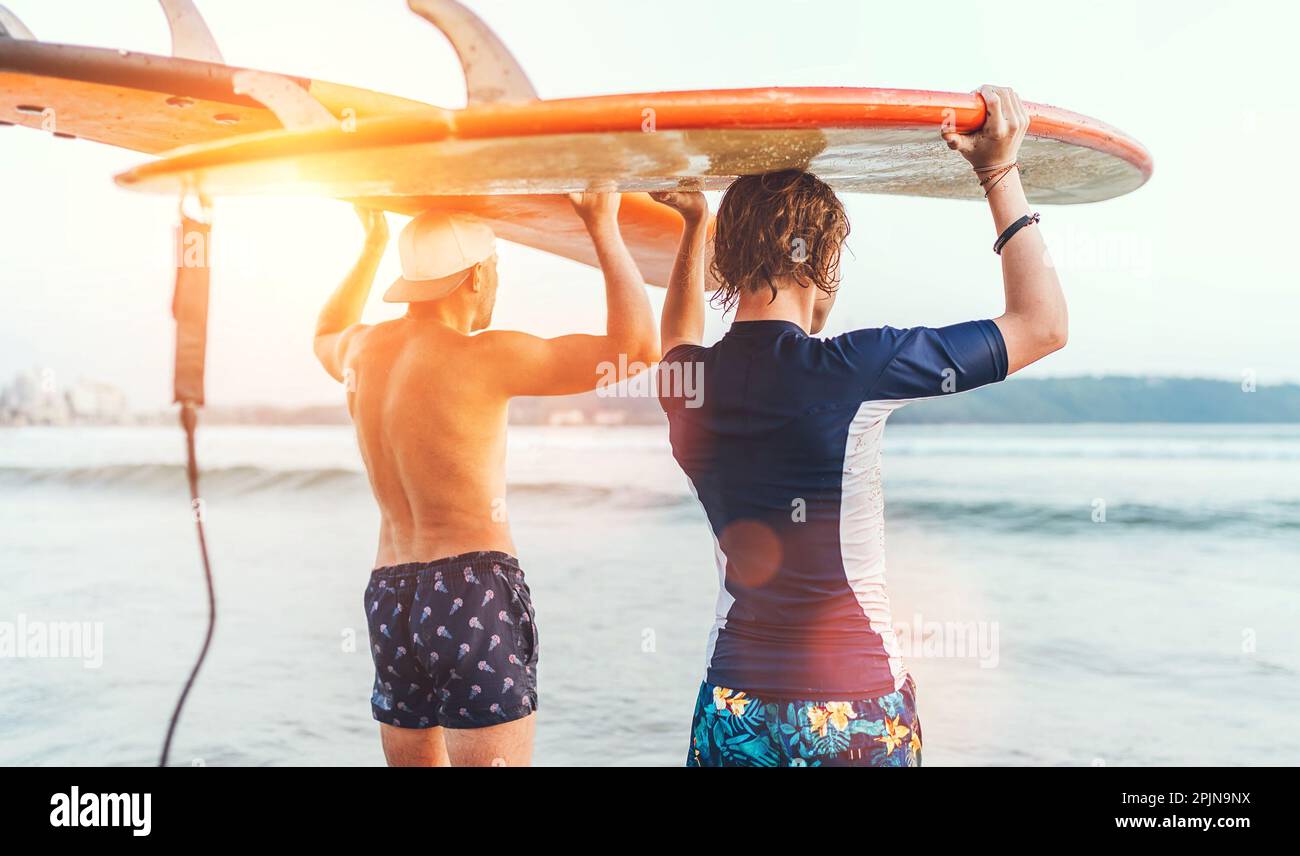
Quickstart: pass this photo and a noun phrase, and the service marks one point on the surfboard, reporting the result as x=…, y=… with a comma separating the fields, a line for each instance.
x=152, y=104
x=148, y=103
x=507, y=155
x=857, y=139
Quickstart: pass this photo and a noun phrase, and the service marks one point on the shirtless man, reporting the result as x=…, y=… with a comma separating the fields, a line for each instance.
x=450, y=617
x=781, y=441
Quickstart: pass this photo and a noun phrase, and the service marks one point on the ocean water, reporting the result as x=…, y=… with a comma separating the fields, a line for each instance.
x=1066, y=595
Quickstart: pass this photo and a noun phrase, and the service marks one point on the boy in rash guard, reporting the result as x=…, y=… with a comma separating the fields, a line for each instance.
x=780, y=434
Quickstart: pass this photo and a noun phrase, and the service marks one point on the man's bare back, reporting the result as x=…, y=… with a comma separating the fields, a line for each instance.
x=432, y=432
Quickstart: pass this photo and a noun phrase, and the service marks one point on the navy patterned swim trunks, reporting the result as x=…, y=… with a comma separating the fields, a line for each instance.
x=734, y=729
x=454, y=642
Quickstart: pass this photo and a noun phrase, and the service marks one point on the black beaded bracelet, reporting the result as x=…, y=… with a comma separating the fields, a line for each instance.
x=1011, y=230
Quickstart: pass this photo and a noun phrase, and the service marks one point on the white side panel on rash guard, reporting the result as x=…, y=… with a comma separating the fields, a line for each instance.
x=725, y=598
x=862, y=525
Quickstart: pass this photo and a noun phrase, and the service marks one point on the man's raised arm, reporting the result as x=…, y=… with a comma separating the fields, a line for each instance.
x=1035, y=322
x=338, y=321
x=529, y=365
x=683, y=316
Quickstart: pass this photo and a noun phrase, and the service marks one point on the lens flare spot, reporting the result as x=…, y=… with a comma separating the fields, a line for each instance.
x=753, y=552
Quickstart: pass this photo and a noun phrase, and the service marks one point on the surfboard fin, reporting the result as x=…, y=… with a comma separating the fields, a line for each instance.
x=492, y=74
x=191, y=38
x=294, y=106
x=13, y=28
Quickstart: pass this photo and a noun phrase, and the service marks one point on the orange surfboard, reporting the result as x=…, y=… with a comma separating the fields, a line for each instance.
x=490, y=158
x=857, y=139
x=507, y=154
x=152, y=104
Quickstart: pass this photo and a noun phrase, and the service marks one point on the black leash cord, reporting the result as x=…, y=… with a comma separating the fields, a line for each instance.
x=189, y=421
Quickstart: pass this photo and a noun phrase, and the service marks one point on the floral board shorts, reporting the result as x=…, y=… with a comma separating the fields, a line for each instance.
x=454, y=642
x=733, y=728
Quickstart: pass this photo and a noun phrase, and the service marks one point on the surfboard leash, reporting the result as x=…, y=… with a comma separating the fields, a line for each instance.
x=190, y=309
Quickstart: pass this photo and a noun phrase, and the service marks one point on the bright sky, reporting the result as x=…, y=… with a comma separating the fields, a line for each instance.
x=1192, y=275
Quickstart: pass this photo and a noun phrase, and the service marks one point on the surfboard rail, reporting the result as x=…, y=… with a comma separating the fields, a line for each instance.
x=771, y=109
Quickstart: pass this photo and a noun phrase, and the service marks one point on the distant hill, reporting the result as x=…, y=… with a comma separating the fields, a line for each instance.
x=1111, y=399
x=1078, y=399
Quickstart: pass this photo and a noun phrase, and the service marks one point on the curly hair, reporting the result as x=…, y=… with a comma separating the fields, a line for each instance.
x=780, y=224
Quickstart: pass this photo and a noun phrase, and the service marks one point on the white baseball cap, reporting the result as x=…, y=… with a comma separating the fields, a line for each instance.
x=438, y=249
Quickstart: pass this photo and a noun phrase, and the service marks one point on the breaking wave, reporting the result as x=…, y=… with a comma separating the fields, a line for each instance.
x=1279, y=516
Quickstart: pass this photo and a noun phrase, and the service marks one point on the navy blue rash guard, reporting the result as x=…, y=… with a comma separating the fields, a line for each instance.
x=780, y=437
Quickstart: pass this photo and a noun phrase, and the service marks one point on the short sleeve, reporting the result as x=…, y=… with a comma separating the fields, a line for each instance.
x=677, y=375
x=933, y=361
